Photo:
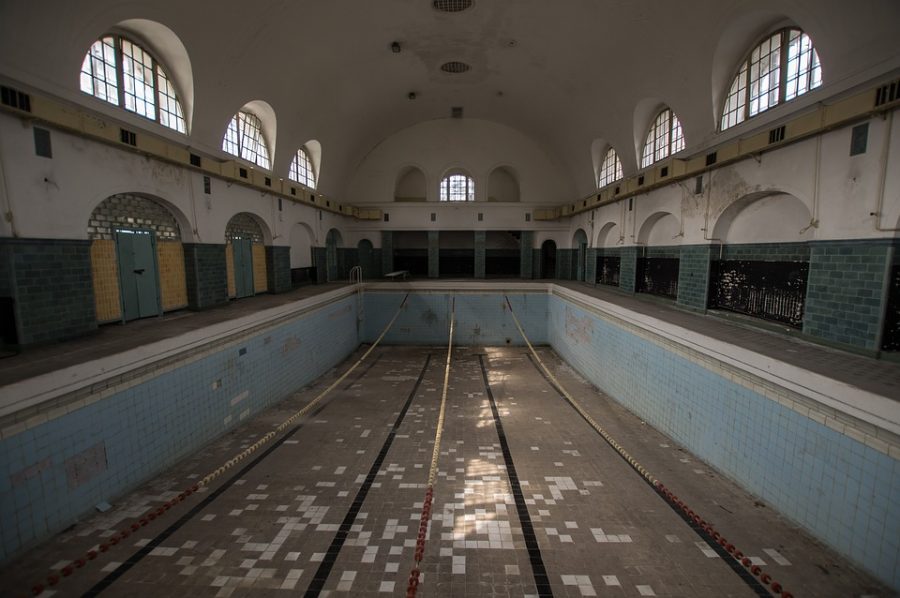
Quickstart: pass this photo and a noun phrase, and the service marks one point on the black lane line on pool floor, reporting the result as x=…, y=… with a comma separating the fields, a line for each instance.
x=531, y=544
x=330, y=558
x=743, y=573
x=134, y=559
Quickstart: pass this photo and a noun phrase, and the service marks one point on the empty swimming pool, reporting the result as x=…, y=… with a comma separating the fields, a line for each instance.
x=543, y=484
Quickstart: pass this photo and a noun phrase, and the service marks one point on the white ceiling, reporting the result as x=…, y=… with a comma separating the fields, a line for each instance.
x=569, y=71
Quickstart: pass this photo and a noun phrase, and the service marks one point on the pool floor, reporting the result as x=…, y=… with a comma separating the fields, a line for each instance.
x=575, y=519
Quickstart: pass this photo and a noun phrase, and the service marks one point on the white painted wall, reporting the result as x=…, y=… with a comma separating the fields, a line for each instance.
x=810, y=190
x=475, y=146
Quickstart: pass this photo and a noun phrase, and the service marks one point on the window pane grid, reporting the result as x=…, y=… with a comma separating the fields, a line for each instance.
x=765, y=75
x=457, y=187
x=302, y=170
x=803, y=69
x=782, y=67
x=664, y=138
x=170, y=114
x=611, y=170
x=137, y=79
x=736, y=104
x=114, y=58
x=98, y=71
x=244, y=139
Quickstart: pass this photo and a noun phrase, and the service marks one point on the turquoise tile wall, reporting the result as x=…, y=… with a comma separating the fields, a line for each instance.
x=839, y=489
x=143, y=429
x=481, y=319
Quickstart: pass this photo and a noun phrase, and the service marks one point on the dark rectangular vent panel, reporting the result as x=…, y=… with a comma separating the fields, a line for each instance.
x=15, y=98
x=480, y=217
x=859, y=139
x=268, y=182
x=640, y=180
x=128, y=137
x=433, y=217
x=42, y=145
x=711, y=158
x=242, y=172
x=776, y=135
x=883, y=95
x=698, y=185
x=195, y=160
x=528, y=217
x=664, y=172
x=617, y=190
x=456, y=112
x=280, y=209
x=293, y=191
x=387, y=217
x=207, y=185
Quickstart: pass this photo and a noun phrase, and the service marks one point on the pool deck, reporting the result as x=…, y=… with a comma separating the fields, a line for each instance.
x=878, y=376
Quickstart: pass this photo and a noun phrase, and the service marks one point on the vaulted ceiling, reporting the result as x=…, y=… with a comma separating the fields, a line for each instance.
x=563, y=72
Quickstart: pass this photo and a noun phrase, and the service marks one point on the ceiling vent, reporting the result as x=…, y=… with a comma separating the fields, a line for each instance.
x=455, y=67
x=451, y=5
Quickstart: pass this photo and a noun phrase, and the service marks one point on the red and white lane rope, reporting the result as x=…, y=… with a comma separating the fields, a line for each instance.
x=667, y=494
x=419, y=555
x=55, y=577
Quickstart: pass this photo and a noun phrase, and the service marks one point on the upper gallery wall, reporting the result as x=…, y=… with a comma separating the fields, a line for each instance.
x=563, y=74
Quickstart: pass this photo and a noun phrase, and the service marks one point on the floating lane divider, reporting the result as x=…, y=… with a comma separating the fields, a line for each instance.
x=739, y=563
x=328, y=560
x=419, y=554
x=54, y=578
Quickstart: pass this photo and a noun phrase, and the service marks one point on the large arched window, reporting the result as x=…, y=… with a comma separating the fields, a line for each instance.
x=457, y=187
x=611, y=170
x=302, y=169
x=244, y=139
x=123, y=73
x=782, y=67
x=664, y=138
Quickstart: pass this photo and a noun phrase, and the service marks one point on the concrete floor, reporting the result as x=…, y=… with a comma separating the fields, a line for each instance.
x=599, y=529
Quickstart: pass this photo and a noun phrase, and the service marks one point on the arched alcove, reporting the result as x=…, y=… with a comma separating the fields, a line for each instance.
x=660, y=229
x=365, y=251
x=411, y=185
x=503, y=185
x=246, y=236
x=608, y=235
x=137, y=259
x=765, y=217
x=301, y=237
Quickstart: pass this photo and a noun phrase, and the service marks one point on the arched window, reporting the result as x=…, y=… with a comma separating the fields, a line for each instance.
x=145, y=87
x=457, y=187
x=783, y=66
x=611, y=170
x=302, y=169
x=664, y=138
x=244, y=139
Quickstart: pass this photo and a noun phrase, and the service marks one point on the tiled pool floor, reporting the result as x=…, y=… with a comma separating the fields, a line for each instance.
x=266, y=526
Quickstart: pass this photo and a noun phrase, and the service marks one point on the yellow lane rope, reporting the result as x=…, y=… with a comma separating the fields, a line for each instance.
x=67, y=570
x=413, y=582
x=666, y=493
x=301, y=412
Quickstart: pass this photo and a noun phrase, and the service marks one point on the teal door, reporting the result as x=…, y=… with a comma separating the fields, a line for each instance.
x=138, y=276
x=243, y=267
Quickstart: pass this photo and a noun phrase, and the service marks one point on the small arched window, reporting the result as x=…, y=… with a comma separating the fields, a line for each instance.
x=302, y=169
x=611, y=170
x=244, y=139
x=664, y=138
x=123, y=73
x=457, y=187
x=783, y=66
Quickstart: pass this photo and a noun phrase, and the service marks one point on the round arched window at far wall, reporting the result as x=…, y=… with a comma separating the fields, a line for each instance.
x=457, y=187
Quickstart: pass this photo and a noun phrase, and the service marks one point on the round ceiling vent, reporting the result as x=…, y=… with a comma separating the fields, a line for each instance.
x=455, y=67
x=451, y=5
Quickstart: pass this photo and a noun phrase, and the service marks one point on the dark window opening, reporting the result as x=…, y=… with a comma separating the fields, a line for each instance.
x=768, y=290
x=658, y=276
x=608, y=267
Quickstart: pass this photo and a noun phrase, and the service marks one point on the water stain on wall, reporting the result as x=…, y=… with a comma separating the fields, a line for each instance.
x=86, y=465
x=291, y=343
x=580, y=330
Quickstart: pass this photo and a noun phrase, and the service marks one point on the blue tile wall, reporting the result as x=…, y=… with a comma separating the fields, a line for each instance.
x=839, y=489
x=149, y=427
x=481, y=319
